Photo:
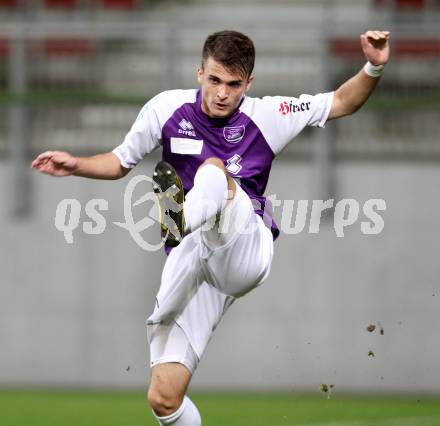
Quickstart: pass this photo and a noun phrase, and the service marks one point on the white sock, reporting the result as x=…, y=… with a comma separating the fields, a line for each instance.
x=207, y=197
x=186, y=415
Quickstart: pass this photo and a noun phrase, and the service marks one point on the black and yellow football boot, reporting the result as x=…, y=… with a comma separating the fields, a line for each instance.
x=169, y=191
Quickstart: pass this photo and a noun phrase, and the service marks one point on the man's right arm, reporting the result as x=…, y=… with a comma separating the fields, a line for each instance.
x=59, y=163
x=143, y=137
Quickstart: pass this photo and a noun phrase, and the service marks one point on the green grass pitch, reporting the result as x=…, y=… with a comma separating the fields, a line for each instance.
x=67, y=408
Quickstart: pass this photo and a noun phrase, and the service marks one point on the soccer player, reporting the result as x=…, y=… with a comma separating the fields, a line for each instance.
x=218, y=146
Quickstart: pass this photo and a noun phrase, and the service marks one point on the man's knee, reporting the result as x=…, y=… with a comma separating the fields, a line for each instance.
x=215, y=162
x=163, y=402
x=219, y=163
x=168, y=385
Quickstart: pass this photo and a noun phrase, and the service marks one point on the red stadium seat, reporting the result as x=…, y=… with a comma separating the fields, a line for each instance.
x=410, y=4
x=60, y=4
x=120, y=4
x=426, y=47
x=345, y=47
x=4, y=47
x=66, y=46
x=401, y=4
x=9, y=3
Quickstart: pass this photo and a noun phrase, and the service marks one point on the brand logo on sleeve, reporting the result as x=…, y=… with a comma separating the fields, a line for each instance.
x=290, y=107
x=234, y=134
x=186, y=128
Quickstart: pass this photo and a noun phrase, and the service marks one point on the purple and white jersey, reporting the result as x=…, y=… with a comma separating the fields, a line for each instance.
x=247, y=141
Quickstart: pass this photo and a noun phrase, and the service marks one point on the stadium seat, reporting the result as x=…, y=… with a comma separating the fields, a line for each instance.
x=61, y=4
x=66, y=46
x=426, y=47
x=410, y=4
x=9, y=3
x=120, y=4
x=345, y=47
x=4, y=47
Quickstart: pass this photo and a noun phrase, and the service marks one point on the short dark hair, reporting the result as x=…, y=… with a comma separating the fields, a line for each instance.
x=234, y=50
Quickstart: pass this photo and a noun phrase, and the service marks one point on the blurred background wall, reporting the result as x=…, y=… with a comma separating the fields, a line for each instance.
x=73, y=76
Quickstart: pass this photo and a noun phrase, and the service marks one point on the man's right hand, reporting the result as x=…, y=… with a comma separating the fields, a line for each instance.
x=55, y=163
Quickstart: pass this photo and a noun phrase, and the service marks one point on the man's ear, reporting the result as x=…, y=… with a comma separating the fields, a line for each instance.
x=249, y=82
x=199, y=75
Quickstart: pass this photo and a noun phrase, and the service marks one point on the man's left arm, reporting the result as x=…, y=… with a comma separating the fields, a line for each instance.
x=354, y=92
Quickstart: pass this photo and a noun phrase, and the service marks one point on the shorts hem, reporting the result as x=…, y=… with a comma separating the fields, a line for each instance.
x=172, y=360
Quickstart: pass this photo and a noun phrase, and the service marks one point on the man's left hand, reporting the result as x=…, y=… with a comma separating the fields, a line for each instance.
x=376, y=46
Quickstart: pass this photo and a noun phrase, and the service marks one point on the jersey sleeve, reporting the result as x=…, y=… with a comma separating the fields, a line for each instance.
x=281, y=118
x=143, y=137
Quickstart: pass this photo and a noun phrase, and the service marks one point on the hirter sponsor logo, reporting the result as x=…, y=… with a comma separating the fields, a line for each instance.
x=234, y=134
x=186, y=128
x=290, y=107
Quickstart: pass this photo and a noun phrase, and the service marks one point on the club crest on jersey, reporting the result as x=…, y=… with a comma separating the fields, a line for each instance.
x=186, y=128
x=234, y=134
x=286, y=108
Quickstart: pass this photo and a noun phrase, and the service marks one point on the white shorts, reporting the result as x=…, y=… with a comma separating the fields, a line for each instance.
x=170, y=344
x=214, y=267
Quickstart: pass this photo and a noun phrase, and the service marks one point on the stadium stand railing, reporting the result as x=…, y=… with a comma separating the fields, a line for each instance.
x=87, y=78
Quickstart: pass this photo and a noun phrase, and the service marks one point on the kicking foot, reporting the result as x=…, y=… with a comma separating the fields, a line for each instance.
x=169, y=191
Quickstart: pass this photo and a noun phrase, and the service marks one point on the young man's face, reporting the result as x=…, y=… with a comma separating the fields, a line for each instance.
x=222, y=90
